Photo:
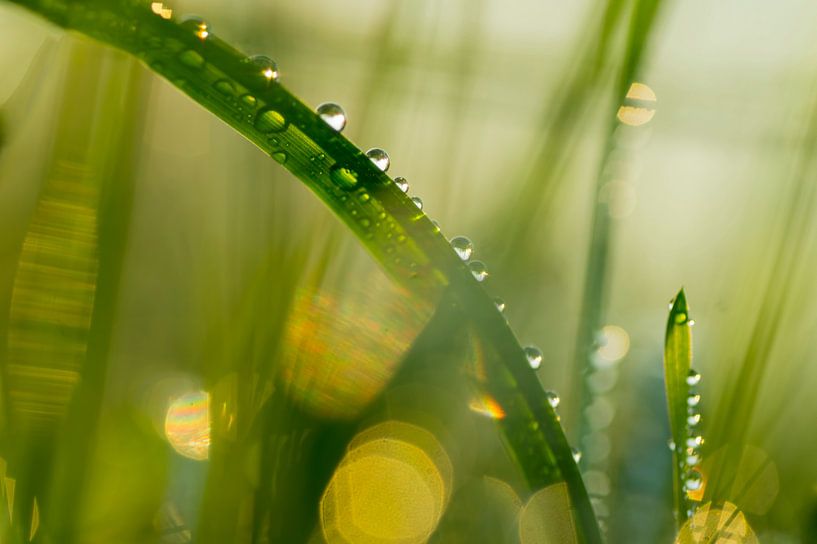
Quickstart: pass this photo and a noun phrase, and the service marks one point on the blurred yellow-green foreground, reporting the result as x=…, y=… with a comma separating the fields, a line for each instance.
x=195, y=350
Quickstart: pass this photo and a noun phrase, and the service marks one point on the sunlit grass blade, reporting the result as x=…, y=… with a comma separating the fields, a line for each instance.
x=677, y=367
x=246, y=94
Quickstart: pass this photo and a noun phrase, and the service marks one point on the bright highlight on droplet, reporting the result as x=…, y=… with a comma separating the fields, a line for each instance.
x=486, y=405
x=717, y=525
x=187, y=425
x=333, y=115
x=388, y=488
x=159, y=9
x=639, y=105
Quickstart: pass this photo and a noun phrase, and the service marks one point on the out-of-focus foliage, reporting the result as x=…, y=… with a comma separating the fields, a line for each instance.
x=243, y=317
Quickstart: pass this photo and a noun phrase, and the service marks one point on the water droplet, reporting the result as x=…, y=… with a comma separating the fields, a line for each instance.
x=402, y=184
x=191, y=58
x=417, y=202
x=269, y=120
x=553, y=399
x=199, y=27
x=343, y=176
x=436, y=225
x=693, y=400
x=224, y=86
x=693, y=482
x=479, y=270
x=500, y=304
x=694, y=420
x=365, y=223
x=534, y=356
x=380, y=158
x=681, y=318
x=577, y=455
x=265, y=66
x=249, y=100
x=693, y=378
x=333, y=115
x=280, y=157
x=695, y=441
x=364, y=197
x=671, y=444
x=691, y=323
x=463, y=247
x=693, y=459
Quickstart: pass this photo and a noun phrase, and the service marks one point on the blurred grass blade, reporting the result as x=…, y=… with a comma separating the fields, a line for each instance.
x=677, y=365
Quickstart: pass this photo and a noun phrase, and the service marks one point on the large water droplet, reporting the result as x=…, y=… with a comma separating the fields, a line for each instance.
x=417, y=201
x=463, y=247
x=198, y=25
x=402, y=184
x=265, y=67
x=693, y=400
x=500, y=304
x=333, y=115
x=553, y=399
x=379, y=157
x=343, y=176
x=693, y=378
x=577, y=455
x=269, y=120
x=694, y=420
x=534, y=356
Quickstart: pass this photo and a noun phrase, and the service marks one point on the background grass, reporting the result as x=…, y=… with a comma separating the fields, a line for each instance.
x=458, y=94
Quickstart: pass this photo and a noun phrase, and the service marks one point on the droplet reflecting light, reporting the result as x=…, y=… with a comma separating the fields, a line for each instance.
x=187, y=425
x=380, y=158
x=333, y=115
x=463, y=247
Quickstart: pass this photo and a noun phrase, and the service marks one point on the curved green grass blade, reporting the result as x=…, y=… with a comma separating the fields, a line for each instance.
x=677, y=365
x=398, y=235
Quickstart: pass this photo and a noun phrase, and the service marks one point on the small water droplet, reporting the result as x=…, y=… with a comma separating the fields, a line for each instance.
x=365, y=223
x=691, y=323
x=280, y=156
x=191, y=58
x=269, y=120
x=671, y=444
x=417, y=202
x=577, y=455
x=333, y=115
x=249, y=100
x=695, y=441
x=402, y=184
x=692, y=459
x=463, y=247
x=364, y=197
x=479, y=270
x=693, y=378
x=224, y=86
x=693, y=482
x=343, y=176
x=265, y=67
x=553, y=399
x=534, y=356
x=436, y=225
x=693, y=400
x=681, y=318
x=380, y=158
x=694, y=420
x=198, y=25
x=500, y=304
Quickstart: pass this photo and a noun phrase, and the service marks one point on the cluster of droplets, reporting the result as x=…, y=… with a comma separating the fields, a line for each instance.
x=691, y=459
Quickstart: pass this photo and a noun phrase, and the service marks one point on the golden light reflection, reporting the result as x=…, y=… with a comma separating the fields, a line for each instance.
x=639, y=105
x=387, y=488
x=486, y=405
x=159, y=9
x=547, y=517
x=717, y=525
x=187, y=425
x=35, y=520
x=341, y=351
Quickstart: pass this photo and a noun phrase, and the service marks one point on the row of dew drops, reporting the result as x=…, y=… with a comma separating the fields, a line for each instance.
x=690, y=453
x=334, y=116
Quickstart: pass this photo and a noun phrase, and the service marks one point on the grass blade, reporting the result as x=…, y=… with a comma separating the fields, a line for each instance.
x=677, y=366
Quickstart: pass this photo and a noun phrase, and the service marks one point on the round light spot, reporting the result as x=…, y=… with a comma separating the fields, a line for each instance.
x=638, y=107
x=187, y=425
